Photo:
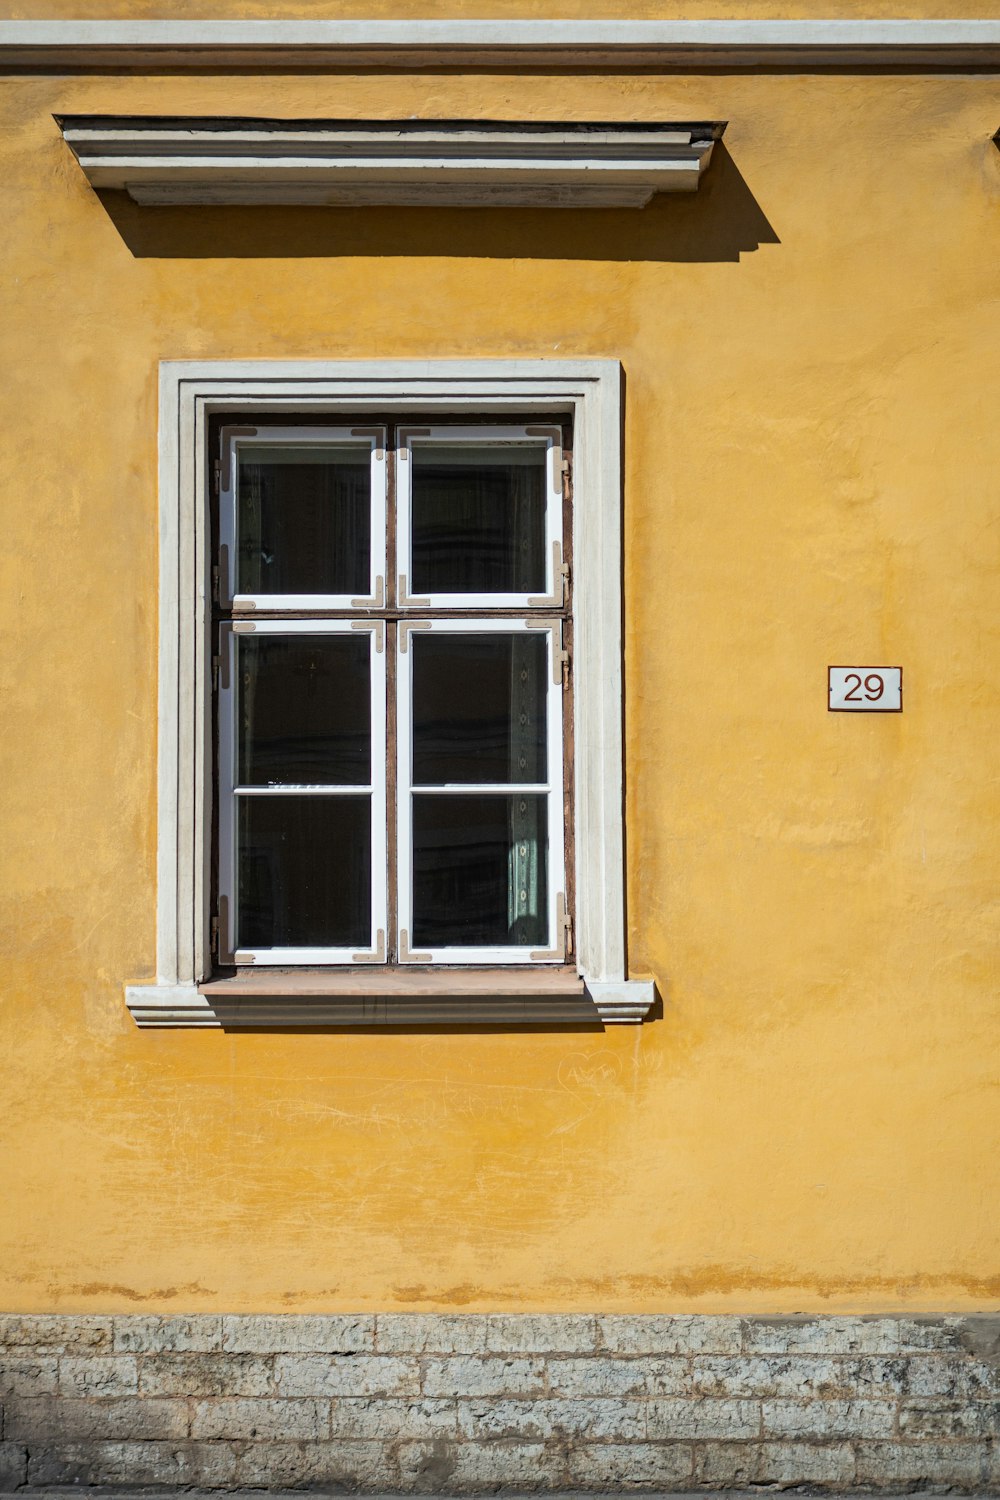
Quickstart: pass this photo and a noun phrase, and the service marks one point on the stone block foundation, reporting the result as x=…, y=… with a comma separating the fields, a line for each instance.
x=465, y=1403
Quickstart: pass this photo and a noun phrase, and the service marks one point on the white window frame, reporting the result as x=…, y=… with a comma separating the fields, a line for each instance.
x=230, y=951
x=191, y=394
x=235, y=440
x=552, y=788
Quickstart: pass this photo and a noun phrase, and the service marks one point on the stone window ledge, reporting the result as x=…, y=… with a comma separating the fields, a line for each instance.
x=452, y=999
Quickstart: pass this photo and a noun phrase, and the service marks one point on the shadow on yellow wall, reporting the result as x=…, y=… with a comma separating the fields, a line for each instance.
x=718, y=223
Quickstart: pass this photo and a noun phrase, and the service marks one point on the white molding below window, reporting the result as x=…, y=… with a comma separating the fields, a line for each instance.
x=191, y=393
x=457, y=163
x=622, y=1001
x=229, y=1005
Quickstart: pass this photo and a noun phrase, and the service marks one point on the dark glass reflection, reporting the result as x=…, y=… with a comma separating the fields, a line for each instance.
x=480, y=871
x=304, y=872
x=479, y=707
x=303, y=520
x=478, y=519
x=303, y=707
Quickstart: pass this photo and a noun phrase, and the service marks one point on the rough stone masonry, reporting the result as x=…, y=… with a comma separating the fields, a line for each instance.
x=431, y=1403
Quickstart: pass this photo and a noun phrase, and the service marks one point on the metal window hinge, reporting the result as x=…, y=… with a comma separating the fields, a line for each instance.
x=217, y=475
x=215, y=583
x=215, y=673
x=567, y=477
x=214, y=936
x=560, y=656
x=563, y=934
x=560, y=582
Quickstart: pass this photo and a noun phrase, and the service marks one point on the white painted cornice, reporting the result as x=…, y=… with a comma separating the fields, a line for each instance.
x=60, y=46
x=160, y=160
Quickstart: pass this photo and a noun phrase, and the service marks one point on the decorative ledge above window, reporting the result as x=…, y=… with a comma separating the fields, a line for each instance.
x=457, y=163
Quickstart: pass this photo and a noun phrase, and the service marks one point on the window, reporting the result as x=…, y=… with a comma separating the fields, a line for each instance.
x=392, y=660
x=427, y=409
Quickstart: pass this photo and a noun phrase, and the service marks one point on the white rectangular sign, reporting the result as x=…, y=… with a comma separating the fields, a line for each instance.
x=866, y=690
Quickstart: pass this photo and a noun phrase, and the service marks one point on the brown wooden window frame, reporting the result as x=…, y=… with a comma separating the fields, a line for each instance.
x=390, y=614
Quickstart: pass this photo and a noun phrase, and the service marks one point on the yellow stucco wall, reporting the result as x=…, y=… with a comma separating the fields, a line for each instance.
x=813, y=466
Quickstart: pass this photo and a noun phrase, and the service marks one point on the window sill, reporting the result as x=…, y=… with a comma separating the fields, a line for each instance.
x=303, y=999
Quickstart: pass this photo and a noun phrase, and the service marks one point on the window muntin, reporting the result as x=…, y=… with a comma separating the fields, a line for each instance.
x=302, y=517
x=480, y=516
x=469, y=780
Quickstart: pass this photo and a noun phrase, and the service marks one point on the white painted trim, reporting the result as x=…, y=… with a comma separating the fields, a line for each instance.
x=461, y=163
x=160, y=1008
x=622, y=1002
x=169, y=1006
x=99, y=45
x=156, y=1005
x=192, y=391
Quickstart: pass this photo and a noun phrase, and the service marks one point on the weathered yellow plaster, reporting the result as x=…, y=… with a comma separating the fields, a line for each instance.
x=812, y=351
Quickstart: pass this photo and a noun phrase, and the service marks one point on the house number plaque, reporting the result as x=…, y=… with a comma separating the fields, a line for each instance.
x=865, y=690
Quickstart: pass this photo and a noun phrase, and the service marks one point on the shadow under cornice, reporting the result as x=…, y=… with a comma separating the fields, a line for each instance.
x=719, y=222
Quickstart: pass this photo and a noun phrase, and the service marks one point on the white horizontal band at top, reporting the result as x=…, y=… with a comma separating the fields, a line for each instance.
x=741, y=43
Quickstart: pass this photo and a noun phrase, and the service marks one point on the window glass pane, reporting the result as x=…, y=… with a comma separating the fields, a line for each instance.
x=303, y=519
x=304, y=872
x=303, y=706
x=479, y=706
x=480, y=875
x=478, y=519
